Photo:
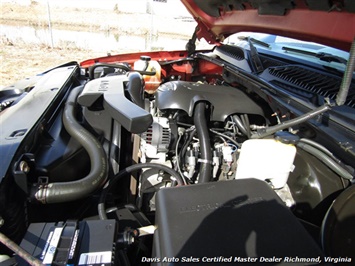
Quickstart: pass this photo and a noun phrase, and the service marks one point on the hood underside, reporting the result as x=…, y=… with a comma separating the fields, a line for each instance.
x=329, y=22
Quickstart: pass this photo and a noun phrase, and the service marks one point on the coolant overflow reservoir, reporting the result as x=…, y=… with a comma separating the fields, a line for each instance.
x=266, y=159
x=152, y=82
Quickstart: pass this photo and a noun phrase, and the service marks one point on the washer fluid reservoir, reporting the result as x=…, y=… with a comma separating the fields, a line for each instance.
x=266, y=159
x=152, y=82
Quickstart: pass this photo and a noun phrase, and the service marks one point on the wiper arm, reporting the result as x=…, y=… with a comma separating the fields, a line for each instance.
x=253, y=40
x=255, y=58
x=322, y=56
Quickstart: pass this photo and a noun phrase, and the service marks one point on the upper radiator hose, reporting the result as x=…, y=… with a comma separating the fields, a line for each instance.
x=74, y=190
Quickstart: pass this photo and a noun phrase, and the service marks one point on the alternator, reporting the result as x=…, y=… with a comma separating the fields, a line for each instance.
x=155, y=141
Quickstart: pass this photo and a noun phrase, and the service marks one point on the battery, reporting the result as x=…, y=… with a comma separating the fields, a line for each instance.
x=90, y=242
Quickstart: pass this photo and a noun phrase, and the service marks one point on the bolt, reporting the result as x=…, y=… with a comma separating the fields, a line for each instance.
x=24, y=167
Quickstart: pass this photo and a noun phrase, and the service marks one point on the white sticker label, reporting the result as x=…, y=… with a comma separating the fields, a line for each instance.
x=48, y=258
x=95, y=258
x=48, y=241
x=73, y=245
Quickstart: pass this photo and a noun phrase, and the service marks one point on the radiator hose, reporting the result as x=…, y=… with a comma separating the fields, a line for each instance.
x=205, y=145
x=74, y=190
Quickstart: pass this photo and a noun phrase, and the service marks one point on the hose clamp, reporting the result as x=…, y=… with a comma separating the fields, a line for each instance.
x=205, y=161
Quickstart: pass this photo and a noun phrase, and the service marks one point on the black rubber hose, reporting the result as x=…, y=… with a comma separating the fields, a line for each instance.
x=135, y=88
x=186, y=144
x=92, y=68
x=177, y=61
x=262, y=133
x=121, y=66
x=205, y=145
x=334, y=166
x=101, y=206
x=74, y=190
x=347, y=78
x=319, y=147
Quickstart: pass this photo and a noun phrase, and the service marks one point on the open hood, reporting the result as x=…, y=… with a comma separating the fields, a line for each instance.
x=329, y=22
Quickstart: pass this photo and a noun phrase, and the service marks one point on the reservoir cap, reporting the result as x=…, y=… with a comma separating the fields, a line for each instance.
x=145, y=58
x=286, y=137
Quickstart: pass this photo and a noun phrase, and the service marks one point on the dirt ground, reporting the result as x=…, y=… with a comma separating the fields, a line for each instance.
x=19, y=61
x=69, y=18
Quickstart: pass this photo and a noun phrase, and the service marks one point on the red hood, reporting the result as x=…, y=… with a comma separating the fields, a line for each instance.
x=328, y=22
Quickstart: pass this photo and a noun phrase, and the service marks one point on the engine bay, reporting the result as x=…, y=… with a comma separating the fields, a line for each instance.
x=177, y=156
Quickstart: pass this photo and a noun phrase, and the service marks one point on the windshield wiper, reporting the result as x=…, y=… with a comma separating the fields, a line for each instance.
x=322, y=56
x=253, y=40
x=255, y=58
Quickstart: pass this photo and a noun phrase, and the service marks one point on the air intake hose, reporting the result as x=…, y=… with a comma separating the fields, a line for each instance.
x=205, y=145
x=74, y=190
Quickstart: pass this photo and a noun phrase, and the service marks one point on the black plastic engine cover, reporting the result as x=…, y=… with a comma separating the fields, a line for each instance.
x=234, y=219
x=111, y=91
x=225, y=100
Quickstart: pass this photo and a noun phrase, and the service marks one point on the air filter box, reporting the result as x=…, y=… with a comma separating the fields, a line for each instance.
x=72, y=243
x=227, y=221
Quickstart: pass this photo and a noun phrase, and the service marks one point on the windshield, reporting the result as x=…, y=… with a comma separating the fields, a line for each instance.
x=309, y=51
